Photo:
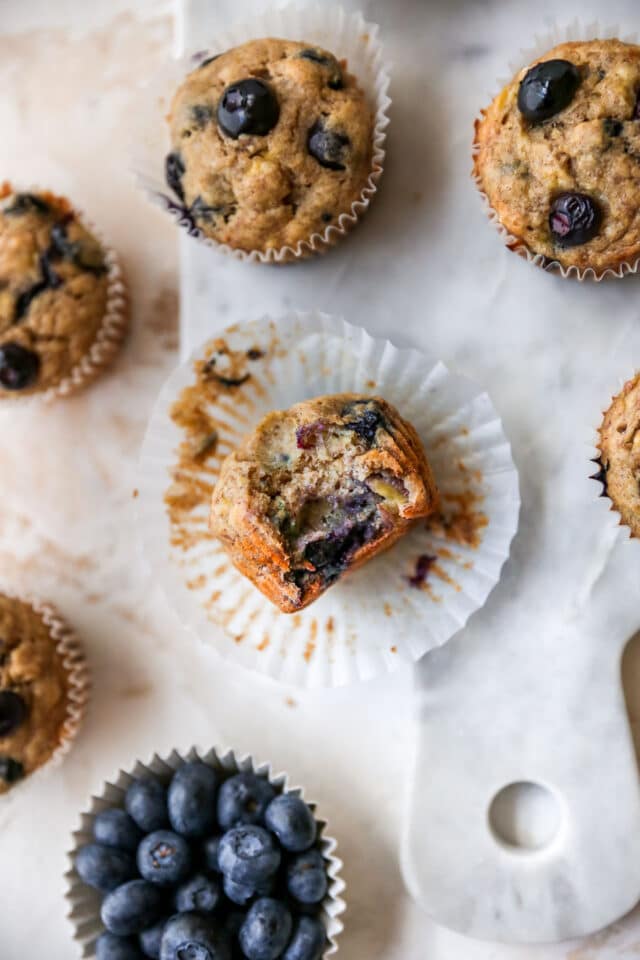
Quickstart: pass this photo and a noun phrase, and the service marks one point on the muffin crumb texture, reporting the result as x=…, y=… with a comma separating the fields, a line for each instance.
x=271, y=143
x=33, y=692
x=620, y=454
x=316, y=491
x=558, y=156
x=53, y=291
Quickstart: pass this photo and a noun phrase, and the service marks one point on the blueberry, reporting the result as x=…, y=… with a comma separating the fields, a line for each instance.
x=201, y=114
x=636, y=109
x=307, y=877
x=164, y=858
x=199, y=894
x=131, y=908
x=19, y=367
x=328, y=147
x=173, y=172
x=188, y=936
x=192, y=799
x=248, y=106
x=104, y=868
x=210, y=849
x=266, y=930
x=13, y=712
x=292, y=822
x=243, y=799
x=115, y=828
x=547, y=89
x=248, y=855
x=238, y=893
x=26, y=203
x=308, y=941
x=110, y=947
x=612, y=127
x=151, y=938
x=335, y=81
x=11, y=770
x=574, y=219
x=366, y=424
x=146, y=804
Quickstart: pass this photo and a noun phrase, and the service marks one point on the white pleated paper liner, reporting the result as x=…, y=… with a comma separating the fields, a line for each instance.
x=346, y=35
x=542, y=44
x=111, y=332
x=610, y=519
x=71, y=653
x=84, y=902
x=374, y=617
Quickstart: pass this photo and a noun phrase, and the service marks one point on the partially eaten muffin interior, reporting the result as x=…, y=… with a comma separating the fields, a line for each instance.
x=317, y=490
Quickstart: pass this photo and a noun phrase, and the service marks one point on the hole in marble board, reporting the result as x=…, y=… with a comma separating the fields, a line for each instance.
x=631, y=685
x=525, y=816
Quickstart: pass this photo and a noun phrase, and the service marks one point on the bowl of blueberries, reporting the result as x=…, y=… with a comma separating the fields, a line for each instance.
x=204, y=857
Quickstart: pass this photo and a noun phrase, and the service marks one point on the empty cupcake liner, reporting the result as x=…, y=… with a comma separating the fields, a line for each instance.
x=84, y=902
x=347, y=35
x=611, y=519
x=109, y=336
x=542, y=44
x=402, y=603
x=71, y=653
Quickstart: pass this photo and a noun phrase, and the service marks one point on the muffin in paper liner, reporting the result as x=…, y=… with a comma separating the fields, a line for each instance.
x=575, y=31
x=71, y=652
x=84, y=902
x=109, y=338
x=347, y=35
x=399, y=605
x=611, y=514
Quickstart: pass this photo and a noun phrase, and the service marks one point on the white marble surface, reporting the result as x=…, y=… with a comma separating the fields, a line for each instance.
x=67, y=73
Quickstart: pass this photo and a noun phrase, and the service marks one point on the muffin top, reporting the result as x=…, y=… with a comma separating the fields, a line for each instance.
x=33, y=692
x=272, y=142
x=558, y=155
x=53, y=291
x=620, y=454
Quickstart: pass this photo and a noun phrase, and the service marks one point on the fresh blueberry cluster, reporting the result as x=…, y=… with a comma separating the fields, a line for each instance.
x=207, y=870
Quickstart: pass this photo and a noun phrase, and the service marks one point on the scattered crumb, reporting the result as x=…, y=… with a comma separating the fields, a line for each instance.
x=135, y=493
x=388, y=609
x=394, y=649
x=264, y=643
x=309, y=651
x=330, y=625
x=290, y=702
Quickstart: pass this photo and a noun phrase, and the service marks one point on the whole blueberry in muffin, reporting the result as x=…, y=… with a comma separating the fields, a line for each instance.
x=271, y=141
x=558, y=157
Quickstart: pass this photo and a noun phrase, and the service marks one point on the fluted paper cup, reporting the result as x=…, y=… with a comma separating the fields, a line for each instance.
x=84, y=903
x=575, y=31
x=347, y=35
x=399, y=605
x=610, y=516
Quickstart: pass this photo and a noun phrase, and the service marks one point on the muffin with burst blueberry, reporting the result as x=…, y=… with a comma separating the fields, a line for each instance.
x=206, y=863
x=43, y=686
x=272, y=143
x=558, y=157
x=60, y=318
x=316, y=491
x=619, y=446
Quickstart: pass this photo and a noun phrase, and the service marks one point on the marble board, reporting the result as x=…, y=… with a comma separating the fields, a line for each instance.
x=530, y=692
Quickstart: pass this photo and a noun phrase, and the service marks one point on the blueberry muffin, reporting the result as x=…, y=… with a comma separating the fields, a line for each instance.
x=37, y=680
x=204, y=863
x=271, y=143
x=620, y=454
x=53, y=293
x=316, y=491
x=558, y=156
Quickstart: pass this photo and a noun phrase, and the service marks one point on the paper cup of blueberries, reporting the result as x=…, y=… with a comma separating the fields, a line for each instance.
x=269, y=145
x=398, y=453
x=208, y=856
x=553, y=198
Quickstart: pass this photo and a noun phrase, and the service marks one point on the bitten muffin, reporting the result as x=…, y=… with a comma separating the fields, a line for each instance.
x=620, y=454
x=558, y=156
x=53, y=291
x=271, y=143
x=316, y=491
x=34, y=692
